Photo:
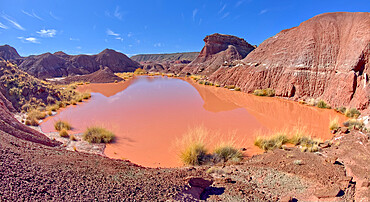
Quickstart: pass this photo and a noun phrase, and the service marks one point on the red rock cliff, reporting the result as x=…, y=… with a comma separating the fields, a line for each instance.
x=324, y=57
x=218, y=49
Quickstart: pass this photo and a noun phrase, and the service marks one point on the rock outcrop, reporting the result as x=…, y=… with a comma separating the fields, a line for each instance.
x=325, y=57
x=60, y=64
x=166, y=57
x=218, y=50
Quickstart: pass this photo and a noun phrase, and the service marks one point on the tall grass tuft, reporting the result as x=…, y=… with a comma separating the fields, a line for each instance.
x=60, y=125
x=97, y=134
x=265, y=92
x=352, y=113
x=193, y=149
x=228, y=152
x=334, y=124
x=273, y=142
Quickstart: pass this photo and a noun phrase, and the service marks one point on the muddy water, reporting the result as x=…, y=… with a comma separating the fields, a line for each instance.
x=148, y=114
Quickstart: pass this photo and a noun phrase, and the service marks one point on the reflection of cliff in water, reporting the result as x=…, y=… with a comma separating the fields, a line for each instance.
x=273, y=113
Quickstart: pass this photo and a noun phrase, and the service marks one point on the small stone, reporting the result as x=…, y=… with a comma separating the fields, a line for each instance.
x=344, y=130
x=328, y=192
x=365, y=184
x=199, y=182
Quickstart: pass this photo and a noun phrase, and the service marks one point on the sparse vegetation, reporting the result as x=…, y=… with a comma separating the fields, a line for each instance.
x=73, y=138
x=228, y=152
x=322, y=104
x=352, y=113
x=194, y=149
x=334, y=124
x=60, y=125
x=354, y=124
x=297, y=137
x=140, y=71
x=97, y=134
x=237, y=89
x=341, y=110
x=63, y=133
x=265, y=92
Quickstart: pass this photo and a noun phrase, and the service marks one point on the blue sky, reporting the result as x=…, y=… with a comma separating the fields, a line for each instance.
x=151, y=26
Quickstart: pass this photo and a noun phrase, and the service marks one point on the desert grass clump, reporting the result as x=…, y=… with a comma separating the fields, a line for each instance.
x=264, y=92
x=139, y=71
x=354, y=124
x=60, y=125
x=63, y=133
x=193, y=149
x=273, y=142
x=36, y=114
x=237, y=89
x=334, y=124
x=352, y=113
x=86, y=95
x=73, y=138
x=97, y=134
x=304, y=140
x=228, y=152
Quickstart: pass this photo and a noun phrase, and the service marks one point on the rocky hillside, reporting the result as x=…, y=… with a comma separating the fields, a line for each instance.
x=218, y=50
x=59, y=64
x=325, y=57
x=8, y=53
x=170, y=57
x=101, y=76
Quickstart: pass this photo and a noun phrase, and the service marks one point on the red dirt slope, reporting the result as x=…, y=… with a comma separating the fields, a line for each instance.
x=324, y=57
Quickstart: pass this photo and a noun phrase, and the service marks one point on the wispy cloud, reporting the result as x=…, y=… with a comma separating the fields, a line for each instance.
x=117, y=13
x=47, y=32
x=28, y=39
x=195, y=11
x=225, y=15
x=3, y=26
x=222, y=9
x=111, y=33
x=54, y=16
x=130, y=34
x=33, y=14
x=74, y=39
x=119, y=38
x=13, y=22
x=158, y=45
x=263, y=11
x=239, y=3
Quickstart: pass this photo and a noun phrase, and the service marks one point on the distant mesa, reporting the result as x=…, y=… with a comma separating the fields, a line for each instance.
x=218, y=49
x=166, y=57
x=60, y=64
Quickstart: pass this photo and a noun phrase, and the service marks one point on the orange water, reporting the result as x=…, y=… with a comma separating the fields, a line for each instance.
x=148, y=114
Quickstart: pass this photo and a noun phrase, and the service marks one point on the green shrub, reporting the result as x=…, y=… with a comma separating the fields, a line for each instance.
x=265, y=92
x=60, y=125
x=341, y=110
x=228, y=152
x=194, y=154
x=321, y=104
x=237, y=89
x=97, y=134
x=352, y=113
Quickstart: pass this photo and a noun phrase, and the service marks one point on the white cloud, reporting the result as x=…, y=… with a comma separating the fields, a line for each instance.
x=263, y=11
x=3, y=26
x=111, y=33
x=157, y=45
x=117, y=13
x=13, y=22
x=195, y=11
x=29, y=39
x=79, y=47
x=33, y=14
x=130, y=34
x=47, y=32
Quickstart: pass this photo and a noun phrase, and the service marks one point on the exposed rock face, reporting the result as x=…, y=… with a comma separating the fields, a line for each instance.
x=8, y=53
x=218, y=49
x=324, y=57
x=60, y=64
x=168, y=57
